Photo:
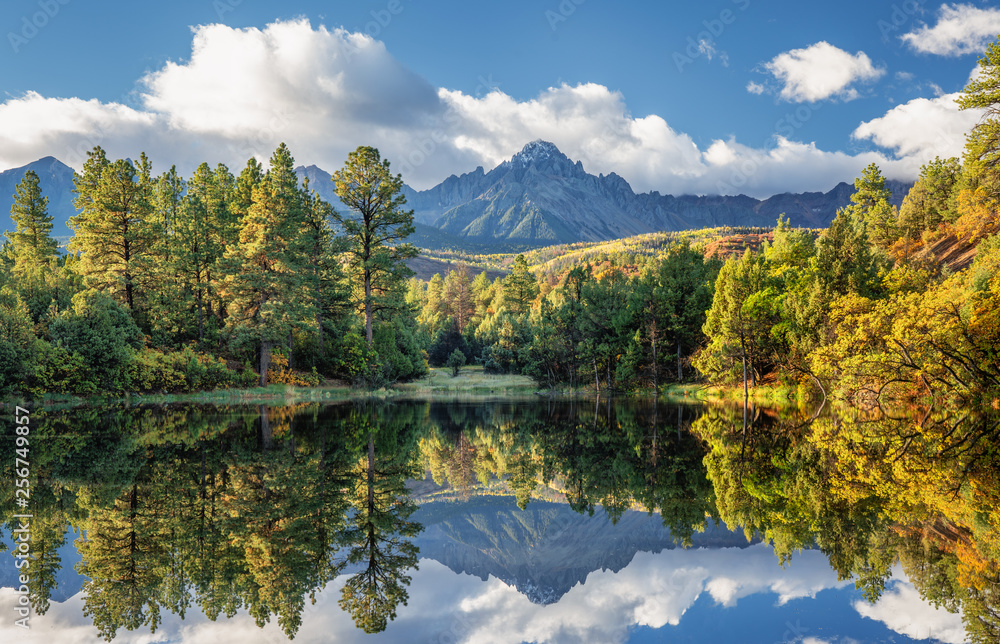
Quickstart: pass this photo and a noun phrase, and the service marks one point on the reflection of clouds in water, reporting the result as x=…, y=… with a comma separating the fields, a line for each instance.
x=901, y=609
x=653, y=590
x=444, y=608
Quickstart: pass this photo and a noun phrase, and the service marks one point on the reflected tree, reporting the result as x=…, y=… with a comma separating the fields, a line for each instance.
x=378, y=530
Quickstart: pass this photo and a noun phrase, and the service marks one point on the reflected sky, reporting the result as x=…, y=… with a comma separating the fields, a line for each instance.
x=696, y=595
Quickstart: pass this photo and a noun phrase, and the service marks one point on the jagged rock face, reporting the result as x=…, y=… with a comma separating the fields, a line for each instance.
x=546, y=549
x=540, y=196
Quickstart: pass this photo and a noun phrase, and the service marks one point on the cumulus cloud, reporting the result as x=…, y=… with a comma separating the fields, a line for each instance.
x=821, y=71
x=902, y=610
x=960, y=29
x=921, y=129
x=33, y=126
x=326, y=91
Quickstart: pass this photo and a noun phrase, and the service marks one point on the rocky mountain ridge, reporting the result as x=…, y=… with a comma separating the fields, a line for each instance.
x=538, y=197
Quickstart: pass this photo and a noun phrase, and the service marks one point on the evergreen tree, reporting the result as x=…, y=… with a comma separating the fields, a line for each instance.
x=458, y=294
x=31, y=242
x=195, y=255
x=871, y=206
x=739, y=323
x=114, y=230
x=168, y=297
x=16, y=338
x=932, y=199
x=32, y=251
x=265, y=271
x=520, y=287
x=982, y=144
x=375, y=229
x=325, y=275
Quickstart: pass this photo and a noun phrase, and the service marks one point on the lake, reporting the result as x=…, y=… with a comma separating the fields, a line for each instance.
x=504, y=521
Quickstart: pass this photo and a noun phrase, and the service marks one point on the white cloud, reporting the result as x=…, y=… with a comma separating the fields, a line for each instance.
x=33, y=126
x=755, y=88
x=960, y=29
x=801, y=166
x=921, y=129
x=241, y=93
x=821, y=71
x=902, y=610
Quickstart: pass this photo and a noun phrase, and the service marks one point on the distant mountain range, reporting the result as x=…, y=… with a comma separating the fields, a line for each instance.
x=547, y=548
x=540, y=197
x=537, y=198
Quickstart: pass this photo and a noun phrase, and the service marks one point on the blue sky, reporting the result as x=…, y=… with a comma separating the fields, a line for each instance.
x=724, y=96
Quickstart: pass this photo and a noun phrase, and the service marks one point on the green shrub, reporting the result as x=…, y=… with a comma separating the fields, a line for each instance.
x=103, y=334
x=184, y=370
x=59, y=371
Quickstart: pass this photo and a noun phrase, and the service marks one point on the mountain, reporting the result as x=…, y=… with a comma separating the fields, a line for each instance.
x=547, y=548
x=56, y=181
x=541, y=197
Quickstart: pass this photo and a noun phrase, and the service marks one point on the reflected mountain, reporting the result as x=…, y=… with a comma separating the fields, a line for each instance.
x=546, y=549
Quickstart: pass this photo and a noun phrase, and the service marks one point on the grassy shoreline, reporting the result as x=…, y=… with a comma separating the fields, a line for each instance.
x=471, y=382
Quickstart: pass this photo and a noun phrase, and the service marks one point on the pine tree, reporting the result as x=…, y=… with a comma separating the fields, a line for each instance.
x=115, y=231
x=324, y=272
x=458, y=295
x=33, y=252
x=375, y=229
x=520, y=287
x=32, y=241
x=265, y=276
x=872, y=208
x=982, y=145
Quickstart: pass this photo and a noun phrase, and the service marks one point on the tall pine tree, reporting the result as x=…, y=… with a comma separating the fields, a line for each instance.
x=265, y=276
x=115, y=231
x=375, y=229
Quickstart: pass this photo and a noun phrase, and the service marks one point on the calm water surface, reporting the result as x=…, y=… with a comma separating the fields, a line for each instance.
x=507, y=522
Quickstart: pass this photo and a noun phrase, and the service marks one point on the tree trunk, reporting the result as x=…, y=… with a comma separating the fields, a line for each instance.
x=656, y=380
x=655, y=428
x=322, y=342
x=201, y=321
x=597, y=376
x=128, y=292
x=746, y=394
x=265, y=361
x=371, y=472
x=368, y=308
x=266, y=437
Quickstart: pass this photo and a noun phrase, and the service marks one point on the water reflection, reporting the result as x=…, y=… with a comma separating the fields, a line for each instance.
x=267, y=510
